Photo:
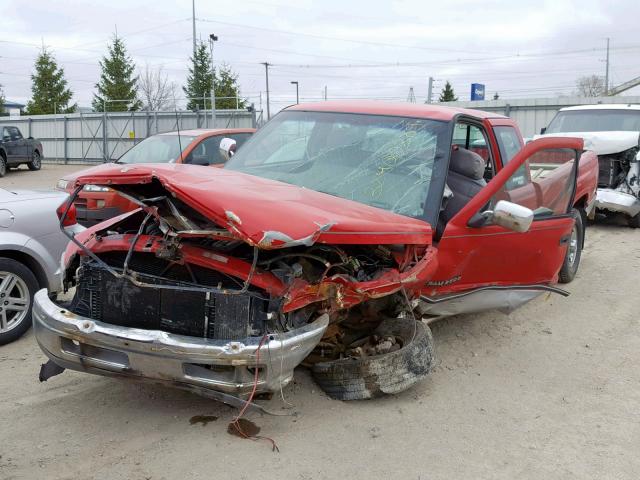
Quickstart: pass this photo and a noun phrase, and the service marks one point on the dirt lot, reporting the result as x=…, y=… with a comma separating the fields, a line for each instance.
x=550, y=391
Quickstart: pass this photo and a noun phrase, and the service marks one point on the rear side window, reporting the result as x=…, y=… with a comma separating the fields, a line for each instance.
x=509, y=142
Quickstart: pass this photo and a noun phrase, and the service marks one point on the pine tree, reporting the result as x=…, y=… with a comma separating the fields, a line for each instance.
x=49, y=88
x=198, y=88
x=226, y=85
x=117, y=81
x=447, y=94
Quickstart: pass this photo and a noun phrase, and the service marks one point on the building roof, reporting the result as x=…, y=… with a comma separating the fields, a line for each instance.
x=399, y=109
x=603, y=106
x=10, y=104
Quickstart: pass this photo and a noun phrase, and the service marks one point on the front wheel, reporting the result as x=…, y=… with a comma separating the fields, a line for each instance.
x=36, y=161
x=634, y=222
x=3, y=166
x=574, y=250
x=18, y=285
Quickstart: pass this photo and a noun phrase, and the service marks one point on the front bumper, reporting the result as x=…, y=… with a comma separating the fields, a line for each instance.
x=79, y=343
x=615, y=201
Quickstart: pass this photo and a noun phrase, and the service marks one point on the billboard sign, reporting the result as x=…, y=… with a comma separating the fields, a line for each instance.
x=477, y=91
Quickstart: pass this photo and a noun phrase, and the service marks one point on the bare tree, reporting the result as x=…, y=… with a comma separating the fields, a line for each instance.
x=590, y=86
x=156, y=90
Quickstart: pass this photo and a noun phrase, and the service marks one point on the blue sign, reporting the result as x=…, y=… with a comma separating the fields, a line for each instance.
x=477, y=91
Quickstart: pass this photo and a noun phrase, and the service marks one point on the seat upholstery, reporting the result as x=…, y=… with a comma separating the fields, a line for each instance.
x=465, y=179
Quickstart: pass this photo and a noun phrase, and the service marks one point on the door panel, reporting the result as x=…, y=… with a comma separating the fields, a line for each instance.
x=472, y=257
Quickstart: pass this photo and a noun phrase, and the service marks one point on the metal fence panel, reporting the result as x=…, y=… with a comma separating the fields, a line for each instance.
x=532, y=114
x=100, y=137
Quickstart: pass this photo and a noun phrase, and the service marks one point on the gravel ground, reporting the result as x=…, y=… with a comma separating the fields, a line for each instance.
x=550, y=391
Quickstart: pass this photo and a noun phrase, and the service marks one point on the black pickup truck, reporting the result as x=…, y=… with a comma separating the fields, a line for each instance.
x=16, y=150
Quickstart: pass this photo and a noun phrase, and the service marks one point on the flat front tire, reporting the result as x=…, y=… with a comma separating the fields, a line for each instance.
x=384, y=374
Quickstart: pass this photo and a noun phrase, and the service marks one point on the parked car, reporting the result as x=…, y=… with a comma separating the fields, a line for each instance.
x=31, y=245
x=612, y=131
x=16, y=150
x=324, y=240
x=198, y=147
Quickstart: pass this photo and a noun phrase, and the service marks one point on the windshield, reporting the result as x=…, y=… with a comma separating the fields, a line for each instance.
x=157, y=149
x=595, y=120
x=385, y=162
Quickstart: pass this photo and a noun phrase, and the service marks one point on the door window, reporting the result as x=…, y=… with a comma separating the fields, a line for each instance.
x=545, y=183
x=15, y=133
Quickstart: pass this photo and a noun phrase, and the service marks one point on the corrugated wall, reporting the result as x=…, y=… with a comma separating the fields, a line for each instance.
x=532, y=114
x=96, y=137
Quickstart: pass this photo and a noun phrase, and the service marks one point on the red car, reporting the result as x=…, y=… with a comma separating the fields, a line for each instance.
x=324, y=240
x=198, y=147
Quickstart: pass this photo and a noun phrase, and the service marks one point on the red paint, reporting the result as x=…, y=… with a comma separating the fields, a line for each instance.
x=263, y=206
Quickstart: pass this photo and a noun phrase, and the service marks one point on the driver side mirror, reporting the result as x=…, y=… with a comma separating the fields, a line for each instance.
x=542, y=130
x=227, y=148
x=506, y=214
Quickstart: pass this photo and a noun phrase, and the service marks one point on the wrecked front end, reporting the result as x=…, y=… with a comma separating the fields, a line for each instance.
x=619, y=182
x=208, y=300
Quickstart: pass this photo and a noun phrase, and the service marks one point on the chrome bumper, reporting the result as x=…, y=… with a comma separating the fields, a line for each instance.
x=615, y=201
x=79, y=343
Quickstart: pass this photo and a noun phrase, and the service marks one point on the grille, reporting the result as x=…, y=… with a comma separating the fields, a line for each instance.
x=117, y=301
x=609, y=170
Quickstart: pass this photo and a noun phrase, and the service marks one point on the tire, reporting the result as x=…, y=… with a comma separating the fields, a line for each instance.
x=16, y=299
x=36, y=161
x=634, y=222
x=3, y=166
x=384, y=374
x=574, y=250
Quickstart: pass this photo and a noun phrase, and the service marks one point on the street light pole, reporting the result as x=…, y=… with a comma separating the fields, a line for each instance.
x=266, y=76
x=297, y=95
x=213, y=38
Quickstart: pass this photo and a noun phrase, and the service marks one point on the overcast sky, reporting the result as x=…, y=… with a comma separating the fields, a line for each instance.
x=357, y=49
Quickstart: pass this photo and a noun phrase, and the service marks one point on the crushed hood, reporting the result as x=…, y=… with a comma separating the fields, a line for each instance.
x=602, y=143
x=267, y=213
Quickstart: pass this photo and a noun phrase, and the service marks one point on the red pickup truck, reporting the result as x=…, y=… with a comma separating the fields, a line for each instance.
x=324, y=239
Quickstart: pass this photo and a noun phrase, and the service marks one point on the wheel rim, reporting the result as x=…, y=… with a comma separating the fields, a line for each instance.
x=14, y=301
x=573, y=246
x=36, y=160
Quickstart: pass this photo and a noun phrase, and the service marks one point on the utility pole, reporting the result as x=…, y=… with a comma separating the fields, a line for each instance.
x=325, y=92
x=606, y=73
x=266, y=76
x=297, y=92
x=213, y=38
x=430, y=90
x=193, y=19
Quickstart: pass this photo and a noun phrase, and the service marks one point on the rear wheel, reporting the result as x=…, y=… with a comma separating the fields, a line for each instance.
x=634, y=222
x=384, y=374
x=18, y=285
x=36, y=161
x=574, y=250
